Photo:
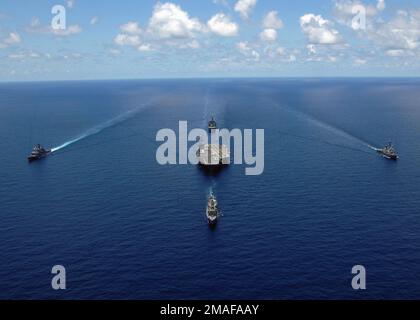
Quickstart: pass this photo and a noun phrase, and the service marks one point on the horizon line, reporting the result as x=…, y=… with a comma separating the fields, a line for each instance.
x=212, y=78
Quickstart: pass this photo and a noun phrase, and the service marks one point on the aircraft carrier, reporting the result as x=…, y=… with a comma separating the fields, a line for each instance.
x=213, y=155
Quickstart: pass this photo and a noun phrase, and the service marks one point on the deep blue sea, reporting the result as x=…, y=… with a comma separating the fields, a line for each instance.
x=126, y=227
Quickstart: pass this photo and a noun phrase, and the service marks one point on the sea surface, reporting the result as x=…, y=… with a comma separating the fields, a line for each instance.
x=126, y=227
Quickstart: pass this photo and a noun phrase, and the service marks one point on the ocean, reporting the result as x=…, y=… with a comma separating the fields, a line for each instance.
x=125, y=227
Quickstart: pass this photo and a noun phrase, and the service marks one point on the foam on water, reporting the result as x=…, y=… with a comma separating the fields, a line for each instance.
x=329, y=127
x=95, y=130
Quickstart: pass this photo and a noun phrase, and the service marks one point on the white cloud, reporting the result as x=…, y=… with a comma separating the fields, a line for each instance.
x=280, y=51
x=346, y=10
x=131, y=28
x=396, y=37
x=17, y=56
x=194, y=44
x=170, y=21
x=268, y=35
x=114, y=52
x=272, y=21
x=395, y=52
x=318, y=30
x=36, y=27
x=35, y=22
x=360, y=62
x=70, y=30
x=400, y=34
x=245, y=49
x=381, y=5
x=221, y=2
x=145, y=47
x=12, y=38
x=127, y=40
x=311, y=49
x=70, y=4
x=169, y=25
x=245, y=7
x=94, y=20
x=25, y=55
x=221, y=25
x=243, y=46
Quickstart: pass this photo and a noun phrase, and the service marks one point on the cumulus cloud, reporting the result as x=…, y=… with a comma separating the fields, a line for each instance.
x=70, y=30
x=130, y=37
x=193, y=44
x=245, y=7
x=244, y=48
x=272, y=21
x=70, y=4
x=170, y=25
x=345, y=11
x=131, y=28
x=94, y=20
x=17, y=56
x=221, y=25
x=146, y=47
x=127, y=40
x=268, y=35
x=36, y=27
x=170, y=21
x=114, y=52
x=221, y=2
x=381, y=5
x=359, y=62
x=11, y=39
x=400, y=35
x=318, y=30
x=395, y=52
x=28, y=55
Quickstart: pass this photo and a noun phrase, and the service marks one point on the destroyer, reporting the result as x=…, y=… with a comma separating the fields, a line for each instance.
x=212, y=211
x=212, y=124
x=388, y=152
x=38, y=152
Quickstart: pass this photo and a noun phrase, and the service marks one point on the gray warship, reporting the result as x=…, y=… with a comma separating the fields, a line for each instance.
x=388, y=152
x=212, y=211
x=38, y=152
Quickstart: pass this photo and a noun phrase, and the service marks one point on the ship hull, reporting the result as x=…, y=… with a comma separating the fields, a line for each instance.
x=212, y=217
x=36, y=158
x=388, y=156
x=212, y=222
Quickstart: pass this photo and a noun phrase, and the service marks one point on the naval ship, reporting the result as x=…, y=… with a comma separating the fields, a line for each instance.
x=212, y=211
x=213, y=155
x=388, y=152
x=212, y=124
x=38, y=152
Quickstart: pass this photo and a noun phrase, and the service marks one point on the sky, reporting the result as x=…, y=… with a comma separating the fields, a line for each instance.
x=135, y=39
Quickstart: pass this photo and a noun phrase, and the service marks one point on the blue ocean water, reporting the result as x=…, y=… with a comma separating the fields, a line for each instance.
x=127, y=228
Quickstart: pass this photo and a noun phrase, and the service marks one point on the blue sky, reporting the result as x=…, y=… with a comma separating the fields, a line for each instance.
x=209, y=38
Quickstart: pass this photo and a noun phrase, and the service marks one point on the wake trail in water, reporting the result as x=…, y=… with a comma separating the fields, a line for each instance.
x=95, y=130
x=324, y=142
x=206, y=108
x=212, y=188
x=331, y=128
